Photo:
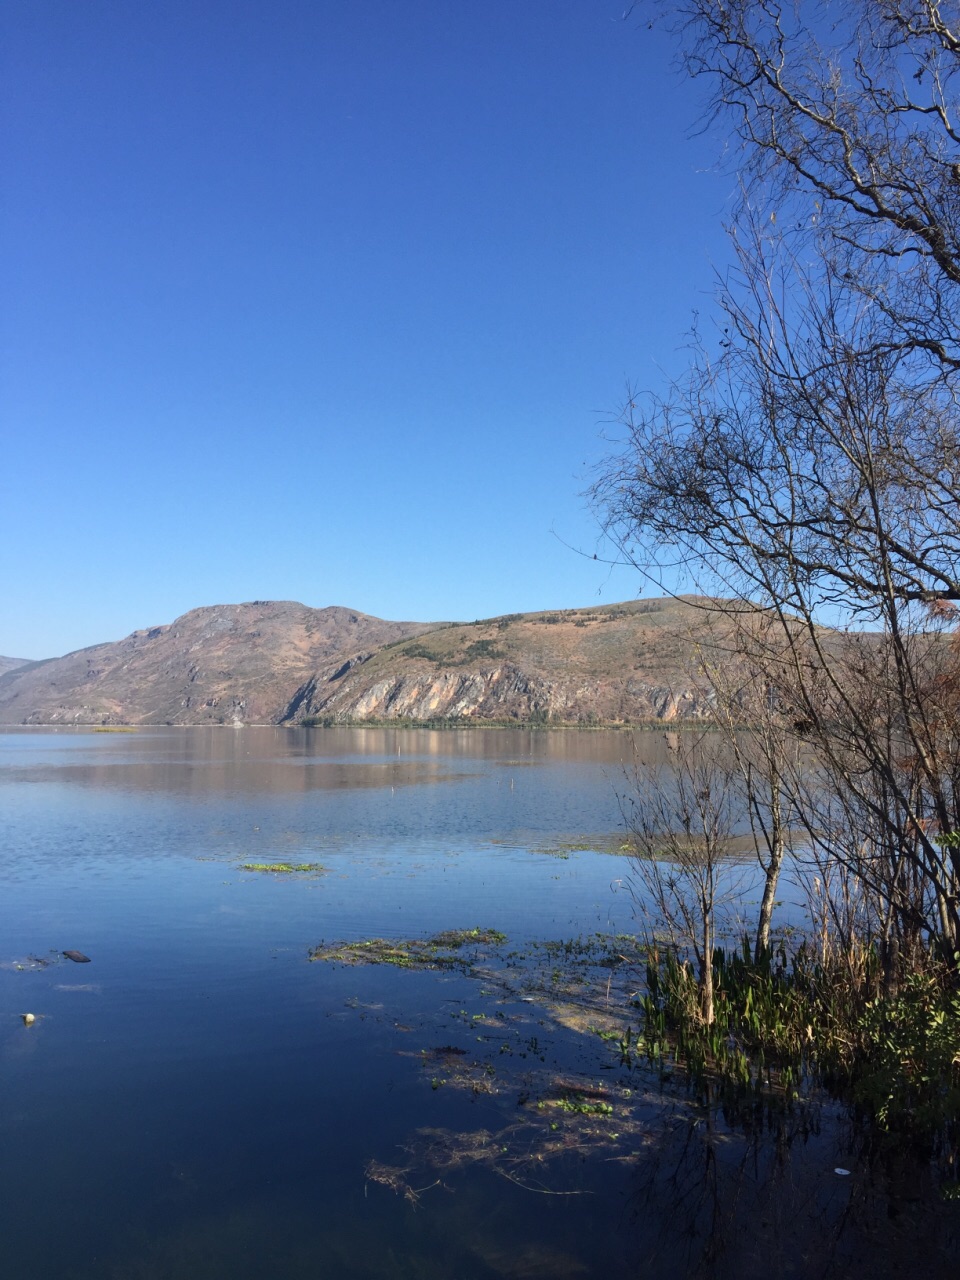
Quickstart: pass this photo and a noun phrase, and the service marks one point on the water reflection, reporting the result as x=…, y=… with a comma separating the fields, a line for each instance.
x=792, y=1193
x=196, y=778
x=201, y=1101
x=285, y=760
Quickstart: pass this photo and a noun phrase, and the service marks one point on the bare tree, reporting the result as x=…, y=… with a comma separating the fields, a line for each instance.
x=808, y=467
x=803, y=478
x=873, y=801
x=681, y=819
x=764, y=749
x=848, y=123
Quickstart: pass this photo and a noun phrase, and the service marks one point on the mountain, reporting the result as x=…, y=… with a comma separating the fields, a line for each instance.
x=219, y=665
x=619, y=663
x=8, y=664
x=270, y=662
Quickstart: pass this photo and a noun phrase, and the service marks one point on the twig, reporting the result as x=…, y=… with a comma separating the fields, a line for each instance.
x=543, y=1191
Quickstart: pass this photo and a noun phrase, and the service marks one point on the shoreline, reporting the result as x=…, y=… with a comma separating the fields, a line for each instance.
x=533, y=726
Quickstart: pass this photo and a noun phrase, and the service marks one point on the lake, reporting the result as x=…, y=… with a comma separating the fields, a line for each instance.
x=201, y=1099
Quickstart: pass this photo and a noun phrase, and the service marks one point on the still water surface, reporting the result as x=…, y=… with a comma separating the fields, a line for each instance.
x=201, y=1101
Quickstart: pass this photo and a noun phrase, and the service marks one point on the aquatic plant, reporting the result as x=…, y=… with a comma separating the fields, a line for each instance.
x=460, y=937
x=784, y=1024
x=909, y=1075
x=576, y=1104
x=284, y=868
x=414, y=953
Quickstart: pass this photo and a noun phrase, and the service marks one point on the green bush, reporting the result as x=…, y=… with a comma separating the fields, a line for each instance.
x=909, y=1071
x=482, y=649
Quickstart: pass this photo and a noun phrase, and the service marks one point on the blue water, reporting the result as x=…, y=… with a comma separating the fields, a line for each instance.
x=201, y=1100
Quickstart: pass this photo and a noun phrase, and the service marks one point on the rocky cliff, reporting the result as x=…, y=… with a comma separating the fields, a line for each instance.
x=620, y=663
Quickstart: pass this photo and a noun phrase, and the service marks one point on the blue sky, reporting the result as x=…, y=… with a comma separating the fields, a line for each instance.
x=330, y=300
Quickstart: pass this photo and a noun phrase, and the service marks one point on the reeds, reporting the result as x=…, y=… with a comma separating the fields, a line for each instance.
x=785, y=1024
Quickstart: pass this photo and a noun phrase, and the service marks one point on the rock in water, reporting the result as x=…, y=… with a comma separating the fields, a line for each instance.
x=77, y=957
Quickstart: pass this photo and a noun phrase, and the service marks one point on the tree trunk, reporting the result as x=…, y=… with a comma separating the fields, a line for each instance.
x=777, y=848
x=706, y=970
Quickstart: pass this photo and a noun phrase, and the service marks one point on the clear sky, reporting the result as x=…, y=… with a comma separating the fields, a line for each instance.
x=329, y=300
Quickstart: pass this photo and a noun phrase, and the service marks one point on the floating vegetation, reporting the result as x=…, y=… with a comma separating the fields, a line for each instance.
x=592, y=949
x=460, y=937
x=395, y=1178
x=604, y=842
x=285, y=868
x=403, y=955
x=415, y=953
x=558, y=1016
x=559, y=1062
x=533, y=1152
x=576, y=1105
x=511, y=1055
x=459, y=1070
x=30, y=964
x=581, y=981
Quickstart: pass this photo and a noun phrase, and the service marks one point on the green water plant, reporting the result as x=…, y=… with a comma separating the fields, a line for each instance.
x=786, y=1023
x=450, y=949
x=284, y=868
x=909, y=1075
x=457, y=938
x=577, y=1105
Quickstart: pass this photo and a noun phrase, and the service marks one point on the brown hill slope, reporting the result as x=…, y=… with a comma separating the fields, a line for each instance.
x=618, y=663
x=223, y=664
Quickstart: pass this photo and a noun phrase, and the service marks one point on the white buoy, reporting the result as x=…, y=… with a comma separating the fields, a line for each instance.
x=28, y=1018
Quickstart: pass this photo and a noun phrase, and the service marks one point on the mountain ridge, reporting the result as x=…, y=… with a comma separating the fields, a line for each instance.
x=10, y=664
x=282, y=662
x=214, y=664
